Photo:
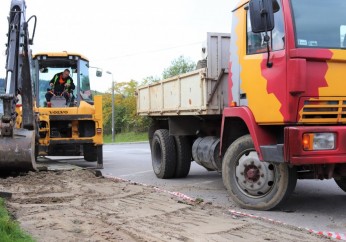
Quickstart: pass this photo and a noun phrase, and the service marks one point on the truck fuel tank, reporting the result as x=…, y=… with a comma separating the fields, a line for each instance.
x=205, y=151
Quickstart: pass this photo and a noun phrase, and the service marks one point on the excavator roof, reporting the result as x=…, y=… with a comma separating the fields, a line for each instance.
x=59, y=54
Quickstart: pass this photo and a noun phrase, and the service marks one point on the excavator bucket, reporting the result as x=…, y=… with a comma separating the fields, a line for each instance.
x=17, y=153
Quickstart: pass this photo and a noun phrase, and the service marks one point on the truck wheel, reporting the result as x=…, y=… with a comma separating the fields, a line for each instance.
x=153, y=127
x=253, y=184
x=341, y=182
x=183, y=154
x=90, y=152
x=163, y=154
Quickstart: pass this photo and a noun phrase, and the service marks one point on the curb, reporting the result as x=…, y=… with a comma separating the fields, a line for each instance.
x=333, y=235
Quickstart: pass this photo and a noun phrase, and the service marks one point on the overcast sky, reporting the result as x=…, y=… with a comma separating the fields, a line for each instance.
x=132, y=39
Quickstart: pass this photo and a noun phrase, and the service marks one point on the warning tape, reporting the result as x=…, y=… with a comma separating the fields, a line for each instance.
x=176, y=194
x=334, y=235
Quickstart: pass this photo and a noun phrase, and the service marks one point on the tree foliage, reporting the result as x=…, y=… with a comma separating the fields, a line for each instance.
x=125, y=111
x=178, y=66
x=150, y=80
x=125, y=100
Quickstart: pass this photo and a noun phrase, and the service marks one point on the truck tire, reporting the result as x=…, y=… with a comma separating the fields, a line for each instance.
x=253, y=184
x=90, y=152
x=183, y=154
x=163, y=154
x=153, y=127
x=341, y=182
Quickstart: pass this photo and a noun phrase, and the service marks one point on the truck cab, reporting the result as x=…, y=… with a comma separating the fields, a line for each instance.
x=288, y=90
x=301, y=93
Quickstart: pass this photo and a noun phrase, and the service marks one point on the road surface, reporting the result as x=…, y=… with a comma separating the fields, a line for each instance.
x=318, y=205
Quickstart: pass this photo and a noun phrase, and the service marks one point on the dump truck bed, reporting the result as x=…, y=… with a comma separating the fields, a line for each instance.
x=200, y=92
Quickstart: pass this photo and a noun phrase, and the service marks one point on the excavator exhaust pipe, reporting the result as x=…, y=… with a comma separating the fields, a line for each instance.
x=17, y=153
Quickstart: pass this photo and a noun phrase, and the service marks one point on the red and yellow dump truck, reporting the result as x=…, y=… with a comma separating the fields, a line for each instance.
x=265, y=112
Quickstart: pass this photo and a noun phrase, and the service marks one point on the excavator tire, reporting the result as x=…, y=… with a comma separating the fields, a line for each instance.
x=17, y=153
x=90, y=152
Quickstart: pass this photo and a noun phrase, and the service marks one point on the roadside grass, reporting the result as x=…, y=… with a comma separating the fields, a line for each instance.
x=9, y=229
x=126, y=137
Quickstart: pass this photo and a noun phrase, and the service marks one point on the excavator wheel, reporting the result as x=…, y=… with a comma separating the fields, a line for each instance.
x=90, y=152
x=17, y=154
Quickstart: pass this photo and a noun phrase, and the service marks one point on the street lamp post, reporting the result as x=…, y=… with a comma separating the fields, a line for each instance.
x=113, y=131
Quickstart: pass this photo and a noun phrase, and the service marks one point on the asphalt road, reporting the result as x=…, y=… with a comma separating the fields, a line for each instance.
x=317, y=205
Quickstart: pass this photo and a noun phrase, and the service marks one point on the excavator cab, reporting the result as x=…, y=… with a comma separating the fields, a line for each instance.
x=72, y=126
x=46, y=65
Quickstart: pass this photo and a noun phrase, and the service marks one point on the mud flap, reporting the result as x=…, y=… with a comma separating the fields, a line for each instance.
x=17, y=154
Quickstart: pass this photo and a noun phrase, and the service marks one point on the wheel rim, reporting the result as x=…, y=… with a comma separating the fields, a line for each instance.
x=254, y=178
x=157, y=156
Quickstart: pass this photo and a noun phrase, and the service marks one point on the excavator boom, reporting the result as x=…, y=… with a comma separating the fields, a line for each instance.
x=17, y=145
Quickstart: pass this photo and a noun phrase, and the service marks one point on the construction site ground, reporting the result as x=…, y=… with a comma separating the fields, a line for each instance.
x=81, y=205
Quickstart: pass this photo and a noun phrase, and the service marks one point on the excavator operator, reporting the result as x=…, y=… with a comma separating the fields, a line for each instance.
x=61, y=85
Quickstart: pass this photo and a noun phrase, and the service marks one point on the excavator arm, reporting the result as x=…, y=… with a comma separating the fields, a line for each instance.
x=17, y=146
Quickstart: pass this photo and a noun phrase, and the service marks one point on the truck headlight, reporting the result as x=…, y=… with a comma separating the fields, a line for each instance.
x=319, y=141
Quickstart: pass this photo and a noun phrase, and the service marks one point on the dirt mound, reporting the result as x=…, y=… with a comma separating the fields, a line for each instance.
x=78, y=206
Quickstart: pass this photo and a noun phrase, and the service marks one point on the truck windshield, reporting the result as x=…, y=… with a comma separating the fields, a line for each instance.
x=320, y=23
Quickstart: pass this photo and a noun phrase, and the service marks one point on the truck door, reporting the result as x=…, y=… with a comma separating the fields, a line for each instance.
x=262, y=87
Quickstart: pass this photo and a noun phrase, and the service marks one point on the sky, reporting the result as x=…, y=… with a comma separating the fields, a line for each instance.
x=131, y=39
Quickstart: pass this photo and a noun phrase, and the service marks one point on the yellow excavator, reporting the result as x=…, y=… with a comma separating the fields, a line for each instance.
x=31, y=127
x=70, y=127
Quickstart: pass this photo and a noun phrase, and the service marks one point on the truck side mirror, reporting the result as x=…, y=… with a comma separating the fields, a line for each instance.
x=262, y=15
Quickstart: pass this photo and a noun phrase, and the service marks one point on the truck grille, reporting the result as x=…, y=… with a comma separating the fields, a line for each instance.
x=324, y=110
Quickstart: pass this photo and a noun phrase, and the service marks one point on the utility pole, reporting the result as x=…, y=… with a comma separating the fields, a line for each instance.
x=113, y=131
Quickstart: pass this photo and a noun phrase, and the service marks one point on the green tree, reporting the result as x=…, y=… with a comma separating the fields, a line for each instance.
x=125, y=109
x=107, y=113
x=150, y=80
x=125, y=103
x=179, y=66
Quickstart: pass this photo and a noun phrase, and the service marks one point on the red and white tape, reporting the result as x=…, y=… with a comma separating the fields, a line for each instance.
x=338, y=236
x=176, y=194
x=333, y=235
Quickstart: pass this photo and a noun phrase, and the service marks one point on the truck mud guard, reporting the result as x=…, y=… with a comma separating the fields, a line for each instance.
x=258, y=134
